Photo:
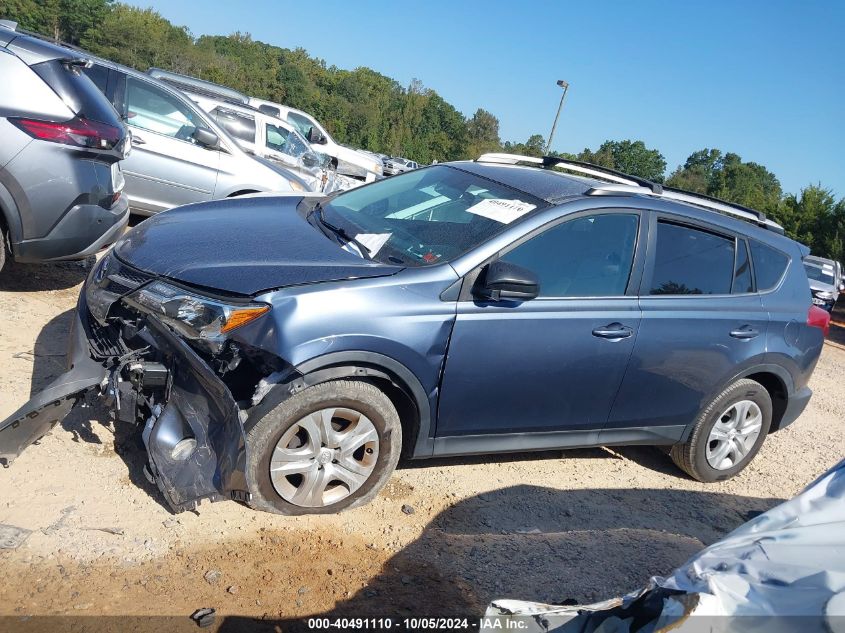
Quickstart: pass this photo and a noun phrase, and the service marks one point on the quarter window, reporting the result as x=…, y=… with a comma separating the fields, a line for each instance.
x=153, y=109
x=769, y=265
x=690, y=261
x=585, y=257
x=742, y=274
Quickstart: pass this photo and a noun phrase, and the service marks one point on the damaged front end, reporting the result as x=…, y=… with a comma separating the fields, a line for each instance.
x=161, y=357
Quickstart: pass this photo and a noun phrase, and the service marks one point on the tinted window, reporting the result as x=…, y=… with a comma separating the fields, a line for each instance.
x=769, y=265
x=742, y=275
x=150, y=108
x=586, y=257
x=77, y=91
x=99, y=75
x=236, y=124
x=691, y=262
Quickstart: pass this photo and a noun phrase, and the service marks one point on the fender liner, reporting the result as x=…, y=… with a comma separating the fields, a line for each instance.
x=11, y=216
x=761, y=368
x=354, y=364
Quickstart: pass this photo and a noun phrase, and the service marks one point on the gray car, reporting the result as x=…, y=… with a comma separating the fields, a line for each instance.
x=179, y=153
x=60, y=143
x=825, y=278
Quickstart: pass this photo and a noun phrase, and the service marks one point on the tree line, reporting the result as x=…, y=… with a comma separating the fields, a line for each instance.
x=366, y=109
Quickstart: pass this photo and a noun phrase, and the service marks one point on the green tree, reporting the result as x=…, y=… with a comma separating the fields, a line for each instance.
x=482, y=133
x=631, y=157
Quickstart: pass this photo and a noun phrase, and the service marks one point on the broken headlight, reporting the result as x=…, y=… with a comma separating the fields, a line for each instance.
x=192, y=315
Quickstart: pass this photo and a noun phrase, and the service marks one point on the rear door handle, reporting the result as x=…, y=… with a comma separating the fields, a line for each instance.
x=745, y=333
x=613, y=331
x=137, y=140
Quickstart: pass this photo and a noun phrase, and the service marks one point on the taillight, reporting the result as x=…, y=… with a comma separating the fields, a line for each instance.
x=816, y=317
x=78, y=132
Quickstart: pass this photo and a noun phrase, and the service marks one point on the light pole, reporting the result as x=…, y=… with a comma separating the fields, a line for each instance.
x=565, y=85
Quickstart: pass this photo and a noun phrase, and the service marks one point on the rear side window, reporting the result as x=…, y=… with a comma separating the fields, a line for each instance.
x=585, y=257
x=690, y=261
x=769, y=265
x=77, y=91
x=236, y=124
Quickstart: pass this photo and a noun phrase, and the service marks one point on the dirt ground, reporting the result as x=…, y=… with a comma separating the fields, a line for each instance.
x=583, y=524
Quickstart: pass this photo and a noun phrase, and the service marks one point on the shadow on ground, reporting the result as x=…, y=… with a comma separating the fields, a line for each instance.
x=536, y=543
x=33, y=277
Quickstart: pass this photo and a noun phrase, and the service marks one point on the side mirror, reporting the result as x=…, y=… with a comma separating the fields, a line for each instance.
x=205, y=137
x=502, y=281
x=315, y=136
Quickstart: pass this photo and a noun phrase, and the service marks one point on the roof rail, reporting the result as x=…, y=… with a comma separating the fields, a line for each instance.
x=699, y=200
x=9, y=24
x=578, y=166
x=625, y=184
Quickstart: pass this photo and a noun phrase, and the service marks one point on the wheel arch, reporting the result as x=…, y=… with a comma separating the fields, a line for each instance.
x=397, y=382
x=10, y=219
x=775, y=379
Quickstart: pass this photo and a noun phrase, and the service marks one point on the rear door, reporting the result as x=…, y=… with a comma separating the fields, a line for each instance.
x=551, y=365
x=702, y=321
x=166, y=167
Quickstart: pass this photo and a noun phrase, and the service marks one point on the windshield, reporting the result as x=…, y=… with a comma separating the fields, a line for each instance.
x=427, y=216
x=302, y=123
x=818, y=274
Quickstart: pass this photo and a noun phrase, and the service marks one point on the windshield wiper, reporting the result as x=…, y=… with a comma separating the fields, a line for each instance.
x=341, y=233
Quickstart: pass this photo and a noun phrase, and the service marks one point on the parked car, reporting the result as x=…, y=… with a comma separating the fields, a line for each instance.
x=179, y=154
x=471, y=307
x=60, y=146
x=350, y=162
x=825, y=277
x=273, y=139
x=394, y=165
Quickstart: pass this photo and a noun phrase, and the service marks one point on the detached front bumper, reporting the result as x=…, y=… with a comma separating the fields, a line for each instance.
x=194, y=435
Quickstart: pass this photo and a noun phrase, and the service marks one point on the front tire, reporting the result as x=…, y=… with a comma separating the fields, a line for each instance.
x=727, y=434
x=328, y=448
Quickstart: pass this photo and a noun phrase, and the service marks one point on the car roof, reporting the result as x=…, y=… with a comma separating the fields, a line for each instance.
x=33, y=50
x=547, y=184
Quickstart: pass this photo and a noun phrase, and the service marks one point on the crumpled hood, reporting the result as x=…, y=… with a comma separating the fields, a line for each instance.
x=242, y=246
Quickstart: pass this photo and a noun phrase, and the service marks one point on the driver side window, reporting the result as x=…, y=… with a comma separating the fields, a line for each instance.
x=149, y=108
x=590, y=256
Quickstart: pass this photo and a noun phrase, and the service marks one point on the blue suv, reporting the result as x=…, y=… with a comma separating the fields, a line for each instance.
x=285, y=351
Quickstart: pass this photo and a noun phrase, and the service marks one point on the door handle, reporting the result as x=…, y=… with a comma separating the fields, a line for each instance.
x=745, y=333
x=137, y=140
x=613, y=331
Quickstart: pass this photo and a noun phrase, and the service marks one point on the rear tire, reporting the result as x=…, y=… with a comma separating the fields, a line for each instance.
x=727, y=434
x=328, y=448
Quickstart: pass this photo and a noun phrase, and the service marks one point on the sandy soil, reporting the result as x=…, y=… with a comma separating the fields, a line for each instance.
x=583, y=524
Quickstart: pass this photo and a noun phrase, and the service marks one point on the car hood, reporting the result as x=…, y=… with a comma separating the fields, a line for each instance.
x=242, y=246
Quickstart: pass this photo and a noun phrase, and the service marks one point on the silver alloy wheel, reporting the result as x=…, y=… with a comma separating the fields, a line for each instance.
x=324, y=457
x=734, y=435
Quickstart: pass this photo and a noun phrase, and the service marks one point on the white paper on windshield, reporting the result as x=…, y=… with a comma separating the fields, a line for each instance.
x=373, y=241
x=504, y=211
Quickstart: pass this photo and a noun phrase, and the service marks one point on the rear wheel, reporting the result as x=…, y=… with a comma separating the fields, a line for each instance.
x=728, y=433
x=328, y=448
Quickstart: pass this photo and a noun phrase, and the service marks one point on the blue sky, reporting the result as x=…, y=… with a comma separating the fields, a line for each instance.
x=765, y=79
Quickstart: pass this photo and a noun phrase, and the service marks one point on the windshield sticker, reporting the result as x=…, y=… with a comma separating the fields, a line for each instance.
x=373, y=241
x=504, y=211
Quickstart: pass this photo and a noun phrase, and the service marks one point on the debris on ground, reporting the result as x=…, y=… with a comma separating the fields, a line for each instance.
x=12, y=537
x=117, y=531
x=212, y=576
x=59, y=523
x=203, y=617
x=407, y=509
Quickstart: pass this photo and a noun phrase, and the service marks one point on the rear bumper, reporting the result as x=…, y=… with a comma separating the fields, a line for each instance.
x=795, y=406
x=84, y=230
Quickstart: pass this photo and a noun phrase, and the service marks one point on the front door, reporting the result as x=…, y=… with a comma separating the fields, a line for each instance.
x=552, y=365
x=166, y=167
